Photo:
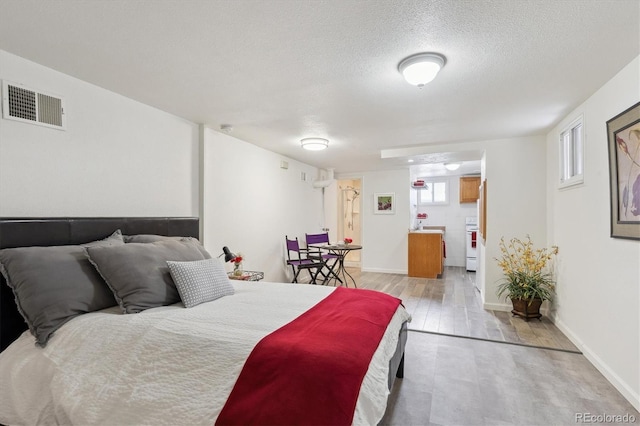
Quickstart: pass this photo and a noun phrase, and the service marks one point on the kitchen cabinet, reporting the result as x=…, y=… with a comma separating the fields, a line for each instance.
x=469, y=189
x=426, y=258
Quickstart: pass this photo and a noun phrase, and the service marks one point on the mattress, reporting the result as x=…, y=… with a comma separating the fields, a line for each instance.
x=166, y=365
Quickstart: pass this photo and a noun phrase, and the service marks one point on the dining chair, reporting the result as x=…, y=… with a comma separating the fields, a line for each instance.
x=330, y=259
x=301, y=261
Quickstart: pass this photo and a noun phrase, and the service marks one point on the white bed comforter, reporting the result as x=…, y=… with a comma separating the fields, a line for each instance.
x=167, y=365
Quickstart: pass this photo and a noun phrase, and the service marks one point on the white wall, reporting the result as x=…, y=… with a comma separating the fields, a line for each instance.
x=598, y=294
x=515, y=172
x=117, y=157
x=384, y=236
x=249, y=203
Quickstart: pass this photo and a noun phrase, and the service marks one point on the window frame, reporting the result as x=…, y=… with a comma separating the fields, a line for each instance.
x=571, y=154
x=430, y=181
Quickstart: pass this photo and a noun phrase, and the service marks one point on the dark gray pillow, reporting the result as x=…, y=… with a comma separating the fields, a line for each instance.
x=200, y=281
x=152, y=238
x=138, y=274
x=54, y=284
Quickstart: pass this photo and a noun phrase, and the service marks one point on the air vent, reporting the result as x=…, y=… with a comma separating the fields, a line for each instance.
x=32, y=106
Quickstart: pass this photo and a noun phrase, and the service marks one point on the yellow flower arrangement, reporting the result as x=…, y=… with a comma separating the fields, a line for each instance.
x=526, y=270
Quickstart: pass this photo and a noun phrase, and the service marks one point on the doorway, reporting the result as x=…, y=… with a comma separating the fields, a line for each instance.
x=349, y=220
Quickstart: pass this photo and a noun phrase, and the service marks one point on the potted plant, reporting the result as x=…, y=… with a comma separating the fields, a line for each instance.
x=528, y=281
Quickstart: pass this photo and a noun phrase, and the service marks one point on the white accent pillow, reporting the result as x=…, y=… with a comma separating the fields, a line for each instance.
x=200, y=281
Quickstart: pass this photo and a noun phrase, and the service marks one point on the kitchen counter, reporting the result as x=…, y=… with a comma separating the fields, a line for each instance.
x=426, y=257
x=441, y=228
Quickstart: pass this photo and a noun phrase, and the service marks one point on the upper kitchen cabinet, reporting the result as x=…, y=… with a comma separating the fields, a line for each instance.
x=469, y=189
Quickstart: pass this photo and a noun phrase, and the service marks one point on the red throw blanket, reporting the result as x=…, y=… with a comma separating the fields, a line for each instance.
x=309, y=372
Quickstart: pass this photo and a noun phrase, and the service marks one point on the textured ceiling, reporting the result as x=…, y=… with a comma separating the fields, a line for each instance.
x=282, y=70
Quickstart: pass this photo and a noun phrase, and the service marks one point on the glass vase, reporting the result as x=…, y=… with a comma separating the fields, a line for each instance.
x=237, y=269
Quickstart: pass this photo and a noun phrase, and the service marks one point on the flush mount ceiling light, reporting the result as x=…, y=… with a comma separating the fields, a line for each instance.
x=452, y=166
x=421, y=68
x=314, y=144
x=226, y=128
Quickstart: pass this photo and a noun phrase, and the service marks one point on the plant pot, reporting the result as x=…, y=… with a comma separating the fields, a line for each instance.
x=526, y=310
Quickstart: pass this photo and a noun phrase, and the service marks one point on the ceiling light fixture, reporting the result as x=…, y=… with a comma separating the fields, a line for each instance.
x=421, y=68
x=314, y=144
x=452, y=166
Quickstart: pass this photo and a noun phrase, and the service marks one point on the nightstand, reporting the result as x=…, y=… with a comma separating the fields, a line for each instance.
x=247, y=276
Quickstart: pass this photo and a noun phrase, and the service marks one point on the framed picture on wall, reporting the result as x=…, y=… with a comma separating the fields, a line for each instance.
x=384, y=203
x=623, y=132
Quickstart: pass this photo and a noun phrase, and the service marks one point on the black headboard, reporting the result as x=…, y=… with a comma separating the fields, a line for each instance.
x=22, y=232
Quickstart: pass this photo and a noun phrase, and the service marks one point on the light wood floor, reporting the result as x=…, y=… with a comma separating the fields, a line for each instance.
x=456, y=373
x=457, y=381
x=474, y=381
x=451, y=305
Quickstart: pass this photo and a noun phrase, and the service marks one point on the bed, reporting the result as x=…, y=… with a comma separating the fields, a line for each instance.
x=169, y=364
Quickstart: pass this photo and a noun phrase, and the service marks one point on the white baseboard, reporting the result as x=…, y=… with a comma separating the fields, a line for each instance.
x=385, y=271
x=497, y=307
x=626, y=391
x=504, y=307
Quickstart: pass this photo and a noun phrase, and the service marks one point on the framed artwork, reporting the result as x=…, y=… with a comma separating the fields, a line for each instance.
x=384, y=203
x=623, y=132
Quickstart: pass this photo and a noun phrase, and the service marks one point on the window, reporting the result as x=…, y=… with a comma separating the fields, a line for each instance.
x=572, y=154
x=436, y=192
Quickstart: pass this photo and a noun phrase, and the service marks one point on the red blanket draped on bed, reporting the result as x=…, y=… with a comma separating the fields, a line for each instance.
x=310, y=370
